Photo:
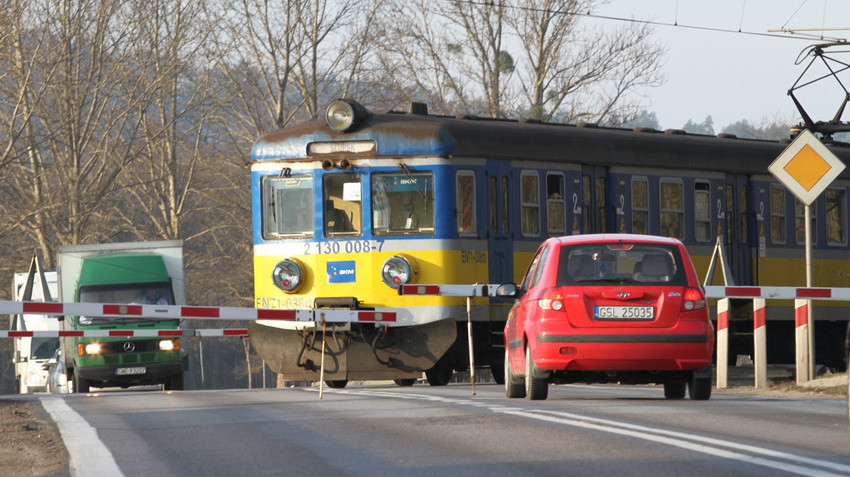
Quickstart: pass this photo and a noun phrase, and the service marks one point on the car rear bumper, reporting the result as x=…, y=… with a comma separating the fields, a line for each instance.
x=687, y=347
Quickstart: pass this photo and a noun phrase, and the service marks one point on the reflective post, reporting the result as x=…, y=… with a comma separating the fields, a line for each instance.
x=722, y=343
x=801, y=327
x=760, y=342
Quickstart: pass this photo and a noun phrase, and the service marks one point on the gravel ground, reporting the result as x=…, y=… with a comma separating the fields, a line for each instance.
x=30, y=443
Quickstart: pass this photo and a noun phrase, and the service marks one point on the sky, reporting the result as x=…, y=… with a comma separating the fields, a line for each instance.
x=732, y=76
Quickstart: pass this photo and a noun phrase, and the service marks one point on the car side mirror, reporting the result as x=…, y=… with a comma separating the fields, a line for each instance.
x=507, y=289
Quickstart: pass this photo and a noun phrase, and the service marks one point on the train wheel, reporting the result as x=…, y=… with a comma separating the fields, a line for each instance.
x=514, y=386
x=337, y=383
x=405, y=382
x=674, y=389
x=699, y=388
x=536, y=389
x=440, y=374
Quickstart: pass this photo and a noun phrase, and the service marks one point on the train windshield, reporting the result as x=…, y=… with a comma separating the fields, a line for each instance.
x=403, y=204
x=287, y=204
x=342, y=205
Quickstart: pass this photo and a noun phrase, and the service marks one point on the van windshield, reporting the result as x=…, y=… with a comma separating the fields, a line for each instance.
x=135, y=294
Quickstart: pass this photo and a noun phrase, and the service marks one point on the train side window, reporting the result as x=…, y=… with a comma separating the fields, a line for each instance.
x=777, y=214
x=743, y=230
x=494, y=213
x=342, y=209
x=505, y=215
x=836, y=216
x=287, y=206
x=586, y=197
x=555, y=208
x=601, y=214
x=403, y=203
x=530, y=203
x=465, y=182
x=800, y=223
x=640, y=206
x=730, y=213
x=672, y=209
x=702, y=211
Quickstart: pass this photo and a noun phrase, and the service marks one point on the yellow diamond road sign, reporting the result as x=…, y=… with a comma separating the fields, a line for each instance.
x=806, y=167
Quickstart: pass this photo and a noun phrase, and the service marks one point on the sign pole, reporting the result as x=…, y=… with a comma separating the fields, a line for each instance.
x=811, y=323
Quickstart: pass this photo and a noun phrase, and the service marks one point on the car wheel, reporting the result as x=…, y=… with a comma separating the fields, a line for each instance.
x=405, y=382
x=81, y=385
x=514, y=386
x=440, y=374
x=699, y=388
x=337, y=383
x=174, y=383
x=536, y=389
x=674, y=389
x=498, y=372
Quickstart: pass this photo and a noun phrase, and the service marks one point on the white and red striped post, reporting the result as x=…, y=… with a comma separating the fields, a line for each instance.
x=801, y=327
x=722, y=343
x=760, y=342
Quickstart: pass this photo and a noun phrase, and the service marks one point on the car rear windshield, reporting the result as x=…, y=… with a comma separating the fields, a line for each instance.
x=620, y=263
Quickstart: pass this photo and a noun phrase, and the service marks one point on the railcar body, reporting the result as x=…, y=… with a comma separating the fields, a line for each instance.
x=348, y=208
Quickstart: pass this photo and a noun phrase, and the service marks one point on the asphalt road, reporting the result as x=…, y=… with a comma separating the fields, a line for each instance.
x=426, y=431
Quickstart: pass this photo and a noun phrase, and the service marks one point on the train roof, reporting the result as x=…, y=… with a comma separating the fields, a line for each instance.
x=399, y=134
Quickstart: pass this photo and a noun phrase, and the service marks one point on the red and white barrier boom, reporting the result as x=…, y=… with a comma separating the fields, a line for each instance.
x=176, y=312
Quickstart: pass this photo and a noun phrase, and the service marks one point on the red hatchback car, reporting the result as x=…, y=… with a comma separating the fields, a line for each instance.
x=609, y=308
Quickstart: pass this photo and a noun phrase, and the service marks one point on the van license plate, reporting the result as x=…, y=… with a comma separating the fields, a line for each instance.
x=623, y=312
x=130, y=371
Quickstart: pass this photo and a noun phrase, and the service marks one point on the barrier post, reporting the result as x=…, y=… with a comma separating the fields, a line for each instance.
x=760, y=342
x=722, y=343
x=801, y=327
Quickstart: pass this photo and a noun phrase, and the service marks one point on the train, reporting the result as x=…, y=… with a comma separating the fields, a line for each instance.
x=349, y=207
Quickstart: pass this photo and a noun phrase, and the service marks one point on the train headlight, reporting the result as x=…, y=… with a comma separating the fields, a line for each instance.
x=288, y=275
x=399, y=270
x=344, y=114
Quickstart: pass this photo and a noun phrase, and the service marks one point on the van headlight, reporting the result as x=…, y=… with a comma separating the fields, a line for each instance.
x=399, y=270
x=288, y=275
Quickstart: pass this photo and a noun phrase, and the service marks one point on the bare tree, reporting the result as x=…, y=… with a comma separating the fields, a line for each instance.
x=574, y=73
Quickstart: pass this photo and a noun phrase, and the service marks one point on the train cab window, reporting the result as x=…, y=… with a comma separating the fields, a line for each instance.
x=342, y=208
x=800, y=223
x=640, y=206
x=287, y=206
x=555, y=209
x=702, y=211
x=672, y=209
x=465, y=187
x=530, y=203
x=777, y=214
x=403, y=203
x=836, y=216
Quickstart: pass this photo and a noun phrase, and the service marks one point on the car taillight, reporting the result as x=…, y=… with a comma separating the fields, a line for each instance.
x=694, y=300
x=552, y=300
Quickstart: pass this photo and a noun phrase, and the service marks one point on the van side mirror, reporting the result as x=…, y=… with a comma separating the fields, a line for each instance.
x=17, y=357
x=506, y=289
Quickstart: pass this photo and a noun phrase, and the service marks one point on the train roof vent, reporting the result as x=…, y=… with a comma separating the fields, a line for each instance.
x=419, y=108
x=644, y=129
x=530, y=120
x=675, y=131
x=583, y=124
x=466, y=116
x=727, y=136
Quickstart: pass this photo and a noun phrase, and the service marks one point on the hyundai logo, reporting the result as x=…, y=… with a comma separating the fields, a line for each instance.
x=129, y=347
x=623, y=295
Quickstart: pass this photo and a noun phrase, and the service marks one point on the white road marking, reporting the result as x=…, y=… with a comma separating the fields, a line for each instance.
x=706, y=445
x=89, y=456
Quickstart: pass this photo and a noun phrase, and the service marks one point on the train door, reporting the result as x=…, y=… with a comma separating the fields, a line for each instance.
x=594, y=193
x=500, y=242
x=738, y=250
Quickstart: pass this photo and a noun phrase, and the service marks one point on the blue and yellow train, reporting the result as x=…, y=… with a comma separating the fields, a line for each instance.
x=348, y=208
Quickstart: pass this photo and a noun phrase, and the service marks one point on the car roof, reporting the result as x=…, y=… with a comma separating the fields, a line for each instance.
x=605, y=238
